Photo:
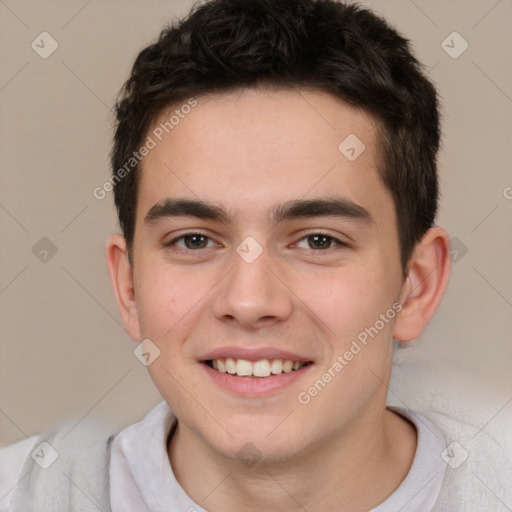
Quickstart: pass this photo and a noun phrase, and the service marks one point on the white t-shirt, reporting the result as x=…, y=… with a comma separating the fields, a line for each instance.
x=142, y=480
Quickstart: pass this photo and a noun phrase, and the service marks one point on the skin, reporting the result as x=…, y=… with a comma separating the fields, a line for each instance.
x=248, y=151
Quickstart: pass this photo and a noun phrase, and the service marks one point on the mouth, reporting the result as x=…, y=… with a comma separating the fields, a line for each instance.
x=260, y=369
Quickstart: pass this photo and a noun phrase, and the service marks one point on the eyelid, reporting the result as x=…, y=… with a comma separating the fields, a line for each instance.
x=177, y=238
x=338, y=241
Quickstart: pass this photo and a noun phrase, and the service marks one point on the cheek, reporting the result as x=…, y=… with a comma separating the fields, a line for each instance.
x=167, y=300
x=348, y=302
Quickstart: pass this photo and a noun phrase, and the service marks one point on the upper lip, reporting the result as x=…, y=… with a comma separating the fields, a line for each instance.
x=254, y=354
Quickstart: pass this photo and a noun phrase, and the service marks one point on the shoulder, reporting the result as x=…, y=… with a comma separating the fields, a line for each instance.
x=50, y=467
x=474, y=421
x=12, y=458
x=459, y=402
x=478, y=466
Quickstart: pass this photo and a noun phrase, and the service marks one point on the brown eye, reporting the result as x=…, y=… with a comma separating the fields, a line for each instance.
x=195, y=241
x=190, y=241
x=320, y=241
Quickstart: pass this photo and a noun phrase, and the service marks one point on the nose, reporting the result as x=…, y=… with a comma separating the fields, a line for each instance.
x=253, y=295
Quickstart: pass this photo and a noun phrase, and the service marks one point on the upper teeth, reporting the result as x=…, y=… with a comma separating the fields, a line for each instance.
x=261, y=368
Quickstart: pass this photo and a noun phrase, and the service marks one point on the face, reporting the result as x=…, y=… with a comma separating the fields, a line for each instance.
x=260, y=245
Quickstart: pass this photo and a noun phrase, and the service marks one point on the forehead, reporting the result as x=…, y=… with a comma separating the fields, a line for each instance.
x=253, y=149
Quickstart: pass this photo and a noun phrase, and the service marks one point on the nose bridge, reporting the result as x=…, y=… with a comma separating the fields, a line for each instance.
x=251, y=294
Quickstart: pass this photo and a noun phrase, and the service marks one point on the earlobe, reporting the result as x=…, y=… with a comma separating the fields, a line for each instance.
x=427, y=278
x=121, y=278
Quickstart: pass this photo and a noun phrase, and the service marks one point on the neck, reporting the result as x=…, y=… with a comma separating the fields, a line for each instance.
x=354, y=470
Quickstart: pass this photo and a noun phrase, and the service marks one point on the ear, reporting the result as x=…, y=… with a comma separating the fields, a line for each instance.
x=427, y=278
x=121, y=277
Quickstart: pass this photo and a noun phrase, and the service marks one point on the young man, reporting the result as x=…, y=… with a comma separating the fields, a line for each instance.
x=274, y=169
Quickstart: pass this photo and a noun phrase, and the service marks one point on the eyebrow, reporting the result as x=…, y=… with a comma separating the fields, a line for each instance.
x=300, y=208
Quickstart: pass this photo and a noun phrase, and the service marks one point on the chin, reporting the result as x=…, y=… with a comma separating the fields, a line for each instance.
x=259, y=445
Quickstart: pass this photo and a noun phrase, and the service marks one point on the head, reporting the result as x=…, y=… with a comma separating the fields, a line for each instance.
x=302, y=133
x=344, y=50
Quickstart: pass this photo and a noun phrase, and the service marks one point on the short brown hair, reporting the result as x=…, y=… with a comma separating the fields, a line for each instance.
x=345, y=50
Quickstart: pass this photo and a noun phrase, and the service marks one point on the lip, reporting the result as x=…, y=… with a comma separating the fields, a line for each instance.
x=254, y=354
x=248, y=387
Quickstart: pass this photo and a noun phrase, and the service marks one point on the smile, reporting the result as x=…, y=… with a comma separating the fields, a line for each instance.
x=259, y=369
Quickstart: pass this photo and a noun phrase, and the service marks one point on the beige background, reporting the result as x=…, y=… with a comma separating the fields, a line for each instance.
x=63, y=350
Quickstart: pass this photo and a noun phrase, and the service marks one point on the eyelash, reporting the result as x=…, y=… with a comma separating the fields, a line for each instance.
x=336, y=241
x=182, y=237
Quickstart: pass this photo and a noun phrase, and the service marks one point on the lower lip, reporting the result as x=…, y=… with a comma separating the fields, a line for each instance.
x=258, y=386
